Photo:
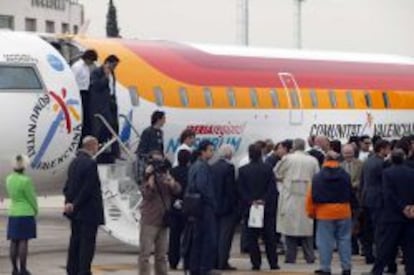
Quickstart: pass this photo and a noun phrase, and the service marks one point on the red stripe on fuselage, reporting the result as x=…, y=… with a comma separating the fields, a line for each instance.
x=193, y=66
x=64, y=110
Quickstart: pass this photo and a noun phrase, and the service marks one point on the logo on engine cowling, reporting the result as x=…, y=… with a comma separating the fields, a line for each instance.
x=54, y=130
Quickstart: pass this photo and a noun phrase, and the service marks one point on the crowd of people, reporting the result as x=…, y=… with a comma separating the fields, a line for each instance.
x=330, y=196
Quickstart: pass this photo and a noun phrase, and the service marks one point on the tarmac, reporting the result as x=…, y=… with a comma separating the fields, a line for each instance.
x=47, y=253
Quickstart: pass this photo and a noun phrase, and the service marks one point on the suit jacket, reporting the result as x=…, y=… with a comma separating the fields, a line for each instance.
x=200, y=180
x=320, y=157
x=101, y=100
x=225, y=187
x=100, y=93
x=354, y=169
x=272, y=160
x=371, y=182
x=151, y=139
x=398, y=184
x=83, y=190
x=256, y=181
x=410, y=162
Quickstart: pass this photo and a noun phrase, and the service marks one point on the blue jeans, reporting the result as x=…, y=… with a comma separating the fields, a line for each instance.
x=330, y=233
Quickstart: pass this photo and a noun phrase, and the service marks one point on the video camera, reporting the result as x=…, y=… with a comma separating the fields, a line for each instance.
x=160, y=166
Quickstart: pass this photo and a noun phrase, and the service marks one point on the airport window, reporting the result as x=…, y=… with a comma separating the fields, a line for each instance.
x=332, y=98
x=368, y=99
x=208, y=97
x=75, y=29
x=65, y=28
x=275, y=98
x=134, y=96
x=183, y=96
x=50, y=26
x=30, y=25
x=19, y=78
x=350, y=99
x=231, y=97
x=314, y=98
x=386, y=99
x=159, y=97
x=6, y=22
x=253, y=97
x=294, y=98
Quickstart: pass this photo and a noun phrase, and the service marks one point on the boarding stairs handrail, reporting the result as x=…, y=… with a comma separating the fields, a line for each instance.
x=135, y=142
x=115, y=138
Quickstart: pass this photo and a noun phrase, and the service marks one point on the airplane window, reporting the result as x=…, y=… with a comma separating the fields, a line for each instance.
x=294, y=98
x=183, y=96
x=275, y=98
x=350, y=99
x=208, y=97
x=368, y=99
x=314, y=98
x=231, y=97
x=386, y=99
x=332, y=98
x=159, y=97
x=254, y=98
x=134, y=96
x=19, y=78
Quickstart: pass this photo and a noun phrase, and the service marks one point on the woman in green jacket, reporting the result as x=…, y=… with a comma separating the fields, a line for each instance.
x=22, y=211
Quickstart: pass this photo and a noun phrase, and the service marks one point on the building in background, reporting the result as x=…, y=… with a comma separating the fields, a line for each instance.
x=44, y=16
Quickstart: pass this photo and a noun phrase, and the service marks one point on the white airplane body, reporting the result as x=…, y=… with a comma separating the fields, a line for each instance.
x=225, y=94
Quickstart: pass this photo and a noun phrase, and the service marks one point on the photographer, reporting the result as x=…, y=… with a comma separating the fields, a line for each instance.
x=157, y=190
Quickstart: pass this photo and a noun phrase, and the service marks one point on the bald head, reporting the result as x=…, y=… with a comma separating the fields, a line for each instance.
x=322, y=142
x=90, y=144
x=226, y=151
x=348, y=152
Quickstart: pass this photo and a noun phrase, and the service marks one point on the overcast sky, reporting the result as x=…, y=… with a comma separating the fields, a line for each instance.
x=376, y=26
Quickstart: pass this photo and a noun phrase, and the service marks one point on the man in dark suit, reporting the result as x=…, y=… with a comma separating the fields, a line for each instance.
x=84, y=207
x=202, y=254
x=257, y=186
x=395, y=227
x=227, y=213
x=372, y=195
x=103, y=102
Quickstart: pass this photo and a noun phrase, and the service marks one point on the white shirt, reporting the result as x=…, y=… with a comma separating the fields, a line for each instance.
x=111, y=84
x=363, y=156
x=82, y=74
x=183, y=146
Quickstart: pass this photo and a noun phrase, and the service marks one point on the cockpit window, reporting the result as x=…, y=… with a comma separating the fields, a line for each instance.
x=19, y=78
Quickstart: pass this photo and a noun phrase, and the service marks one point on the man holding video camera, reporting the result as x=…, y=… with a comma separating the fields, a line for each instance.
x=157, y=190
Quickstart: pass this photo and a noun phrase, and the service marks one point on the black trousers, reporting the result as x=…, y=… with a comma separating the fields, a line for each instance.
x=226, y=228
x=367, y=235
x=292, y=243
x=390, y=237
x=408, y=248
x=203, y=244
x=268, y=233
x=177, y=226
x=86, y=117
x=81, y=248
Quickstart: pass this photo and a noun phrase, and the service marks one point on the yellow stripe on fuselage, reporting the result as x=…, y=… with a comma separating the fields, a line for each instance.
x=133, y=71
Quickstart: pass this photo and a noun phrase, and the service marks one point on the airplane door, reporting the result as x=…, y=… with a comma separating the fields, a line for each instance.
x=292, y=90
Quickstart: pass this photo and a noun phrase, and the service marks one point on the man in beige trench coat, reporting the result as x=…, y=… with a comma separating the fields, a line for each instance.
x=294, y=174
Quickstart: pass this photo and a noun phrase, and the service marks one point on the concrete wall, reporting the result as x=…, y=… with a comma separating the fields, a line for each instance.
x=58, y=11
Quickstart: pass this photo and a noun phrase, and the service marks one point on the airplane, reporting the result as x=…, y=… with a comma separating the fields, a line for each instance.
x=226, y=94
